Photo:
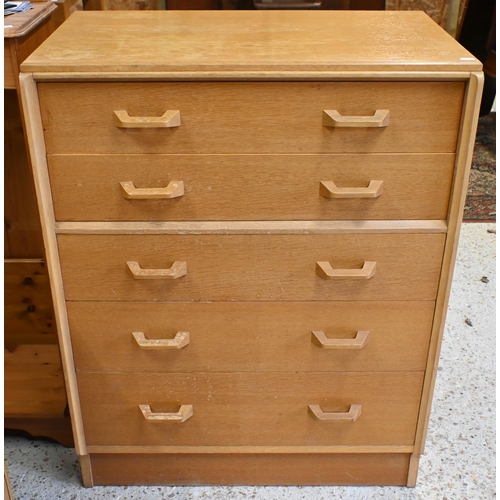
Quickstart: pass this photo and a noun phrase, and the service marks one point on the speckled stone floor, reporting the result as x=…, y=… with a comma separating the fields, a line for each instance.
x=459, y=460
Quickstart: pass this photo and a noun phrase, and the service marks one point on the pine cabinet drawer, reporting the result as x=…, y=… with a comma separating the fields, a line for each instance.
x=251, y=267
x=250, y=117
x=250, y=336
x=250, y=187
x=230, y=409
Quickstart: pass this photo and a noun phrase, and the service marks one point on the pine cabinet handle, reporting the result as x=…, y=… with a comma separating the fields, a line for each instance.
x=173, y=190
x=178, y=269
x=332, y=118
x=171, y=118
x=352, y=415
x=185, y=412
x=326, y=271
x=329, y=189
x=356, y=343
x=180, y=340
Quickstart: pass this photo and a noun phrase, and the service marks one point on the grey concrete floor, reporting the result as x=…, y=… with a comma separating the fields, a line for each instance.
x=459, y=460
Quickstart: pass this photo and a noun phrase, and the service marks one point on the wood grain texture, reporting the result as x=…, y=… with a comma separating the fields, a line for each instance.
x=250, y=187
x=250, y=408
x=251, y=41
x=34, y=384
x=272, y=337
x=258, y=469
x=250, y=117
x=28, y=314
x=251, y=267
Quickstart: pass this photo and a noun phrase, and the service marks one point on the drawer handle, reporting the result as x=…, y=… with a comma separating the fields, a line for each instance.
x=180, y=340
x=173, y=190
x=329, y=189
x=178, y=269
x=356, y=343
x=171, y=118
x=332, y=118
x=352, y=415
x=326, y=271
x=185, y=412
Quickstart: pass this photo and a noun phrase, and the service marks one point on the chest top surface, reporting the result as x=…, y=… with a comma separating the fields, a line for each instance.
x=253, y=41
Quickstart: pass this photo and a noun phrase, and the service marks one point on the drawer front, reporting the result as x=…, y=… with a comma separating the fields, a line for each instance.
x=250, y=409
x=251, y=187
x=273, y=336
x=251, y=267
x=251, y=117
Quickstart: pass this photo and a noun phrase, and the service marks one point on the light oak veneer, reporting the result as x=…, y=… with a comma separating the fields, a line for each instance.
x=250, y=117
x=257, y=409
x=258, y=143
x=242, y=44
x=251, y=267
x=256, y=187
x=271, y=336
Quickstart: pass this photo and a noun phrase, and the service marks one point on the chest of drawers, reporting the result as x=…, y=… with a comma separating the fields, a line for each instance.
x=251, y=221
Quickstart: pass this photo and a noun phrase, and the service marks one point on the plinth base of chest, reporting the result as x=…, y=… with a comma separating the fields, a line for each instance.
x=248, y=469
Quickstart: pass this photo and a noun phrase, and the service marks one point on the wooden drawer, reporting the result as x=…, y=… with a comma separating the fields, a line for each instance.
x=250, y=409
x=250, y=336
x=250, y=187
x=251, y=267
x=251, y=117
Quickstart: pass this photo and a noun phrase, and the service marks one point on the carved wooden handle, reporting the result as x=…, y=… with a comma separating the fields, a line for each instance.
x=173, y=190
x=332, y=118
x=178, y=269
x=326, y=271
x=329, y=189
x=180, y=340
x=356, y=343
x=352, y=415
x=171, y=118
x=185, y=412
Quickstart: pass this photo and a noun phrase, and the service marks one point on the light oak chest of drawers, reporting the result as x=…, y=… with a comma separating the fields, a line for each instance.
x=251, y=220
